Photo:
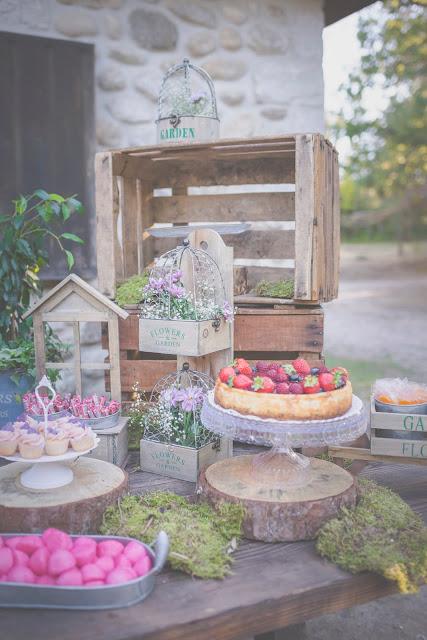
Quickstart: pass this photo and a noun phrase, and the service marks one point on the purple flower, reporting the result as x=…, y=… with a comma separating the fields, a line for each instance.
x=172, y=396
x=193, y=397
x=8, y=427
x=176, y=291
x=155, y=284
x=227, y=311
x=176, y=276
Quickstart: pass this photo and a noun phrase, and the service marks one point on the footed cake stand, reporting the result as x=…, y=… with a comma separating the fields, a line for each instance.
x=286, y=495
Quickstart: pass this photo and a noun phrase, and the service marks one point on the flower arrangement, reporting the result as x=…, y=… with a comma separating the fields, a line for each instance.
x=174, y=417
x=185, y=103
x=165, y=297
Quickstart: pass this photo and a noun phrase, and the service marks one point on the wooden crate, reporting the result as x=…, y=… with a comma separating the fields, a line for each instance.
x=113, y=444
x=259, y=333
x=286, y=187
x=183, y=463
x=398, y=434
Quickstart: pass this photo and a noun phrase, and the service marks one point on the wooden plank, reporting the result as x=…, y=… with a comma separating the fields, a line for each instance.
x=39, y=345
x=84, y=366
x=70, y=316
x=131, y=230
x=224, y=207
x=358, y=453
x=399, y=447
x=250, y=299
x=77, y=358
x=114, y=357
x=304, y=217
x=336, y=227
x=195, y=173
x=109, y=255
x=279, y=333
x=146, y=372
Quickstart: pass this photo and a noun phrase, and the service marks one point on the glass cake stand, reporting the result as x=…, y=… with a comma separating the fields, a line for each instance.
x=281, y=466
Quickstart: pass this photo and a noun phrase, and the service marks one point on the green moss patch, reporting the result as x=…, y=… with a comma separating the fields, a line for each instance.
x=382, y=534
x=201, y=538
x=131, y=291
x=279, y=289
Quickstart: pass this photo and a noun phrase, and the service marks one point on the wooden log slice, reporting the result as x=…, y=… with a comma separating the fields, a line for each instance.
x=76, y=508
x=275, y=514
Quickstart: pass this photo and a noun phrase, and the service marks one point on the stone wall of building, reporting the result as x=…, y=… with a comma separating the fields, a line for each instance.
x=265, y=57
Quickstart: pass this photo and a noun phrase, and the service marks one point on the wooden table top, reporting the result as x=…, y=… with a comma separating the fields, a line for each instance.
x=272, y=586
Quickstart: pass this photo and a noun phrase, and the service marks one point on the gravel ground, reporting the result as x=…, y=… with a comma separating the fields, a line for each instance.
x=379, y=319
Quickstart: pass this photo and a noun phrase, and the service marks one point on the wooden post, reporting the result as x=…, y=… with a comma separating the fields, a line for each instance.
x=114, y=351
x=77, y=358
x=39, y=345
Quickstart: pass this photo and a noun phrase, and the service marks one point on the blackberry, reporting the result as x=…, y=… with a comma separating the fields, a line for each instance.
x=314, y=371
x=294, y=378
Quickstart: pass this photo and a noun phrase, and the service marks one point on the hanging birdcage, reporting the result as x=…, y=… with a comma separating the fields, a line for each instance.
x=184, y=309
x=187, y=110
x=175, y=442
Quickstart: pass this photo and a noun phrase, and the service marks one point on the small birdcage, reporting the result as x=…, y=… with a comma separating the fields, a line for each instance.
x=184, y=309
x=187, y=110
x=175, y=442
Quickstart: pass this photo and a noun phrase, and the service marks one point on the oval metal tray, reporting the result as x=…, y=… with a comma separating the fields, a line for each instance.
x=14, y=594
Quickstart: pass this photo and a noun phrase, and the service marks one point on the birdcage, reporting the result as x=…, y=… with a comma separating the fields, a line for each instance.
x=184, y=309
x=187, y=110
x=175, y=442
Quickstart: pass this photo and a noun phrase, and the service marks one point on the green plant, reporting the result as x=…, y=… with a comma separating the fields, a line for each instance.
x=382, y=534
x=131, y=291
x=279, y=289
x=201, y=538
x=23, y=252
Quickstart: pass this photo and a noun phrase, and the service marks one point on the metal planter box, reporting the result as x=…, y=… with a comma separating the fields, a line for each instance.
x=183, y=463
x=187, y=129
x=184, y=337
x=398, y=434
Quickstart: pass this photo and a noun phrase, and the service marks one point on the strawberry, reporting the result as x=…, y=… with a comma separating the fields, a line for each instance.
x=242, y=382
x=323, y=369
x=282, y=387
x=227, y=375
x=263, y=366
x=280, y=376
x=263, y=384
x=289, y=369
x=301, y=366
x=311, y=384
x=327, y=381
x=296, y=387
x=243, y=366
x=341, y=370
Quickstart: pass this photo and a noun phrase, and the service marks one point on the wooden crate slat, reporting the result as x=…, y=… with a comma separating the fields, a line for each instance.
x=278, y=333
x=399, y=447
x=131, y=229
x=304, y=216
x=224, y=207
x=196, y=173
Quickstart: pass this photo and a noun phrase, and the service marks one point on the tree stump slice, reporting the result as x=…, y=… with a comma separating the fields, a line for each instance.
x=280, y=515
x=76, y=508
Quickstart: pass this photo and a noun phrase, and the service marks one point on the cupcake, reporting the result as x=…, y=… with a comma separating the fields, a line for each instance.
x=8, y=441
x=84, y=440
x=31, y=445
x=56, y=442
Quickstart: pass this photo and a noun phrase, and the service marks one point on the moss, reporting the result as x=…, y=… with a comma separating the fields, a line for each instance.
x=201, y=538
x=130, y=291
x=279, y=289
x=382, y=534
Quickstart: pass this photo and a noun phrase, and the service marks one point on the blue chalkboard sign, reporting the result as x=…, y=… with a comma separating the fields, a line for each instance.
x=10, y=396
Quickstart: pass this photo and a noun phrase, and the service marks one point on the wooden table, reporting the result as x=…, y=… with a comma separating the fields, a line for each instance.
x=272, y=586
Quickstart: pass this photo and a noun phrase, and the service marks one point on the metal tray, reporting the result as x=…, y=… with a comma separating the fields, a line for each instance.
x=36, y=596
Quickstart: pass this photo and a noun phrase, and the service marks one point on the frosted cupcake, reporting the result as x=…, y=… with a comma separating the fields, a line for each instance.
x=84, y=440
x=31, y=445
x=56, y=442
x=8, y=441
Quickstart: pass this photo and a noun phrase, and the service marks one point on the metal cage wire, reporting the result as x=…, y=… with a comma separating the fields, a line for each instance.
x=185, y=284
x=175, y=406
x=187, y=90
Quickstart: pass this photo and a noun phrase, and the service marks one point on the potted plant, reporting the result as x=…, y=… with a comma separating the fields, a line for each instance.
x=23, y=252
x=175, y=442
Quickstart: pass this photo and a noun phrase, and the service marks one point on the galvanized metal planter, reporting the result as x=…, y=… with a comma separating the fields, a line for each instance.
x=187, y=110
x=36, y=596
x=182, y=463
x=183, y=337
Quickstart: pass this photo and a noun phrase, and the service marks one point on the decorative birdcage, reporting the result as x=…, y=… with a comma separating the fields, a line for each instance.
x=184, y=309
x=175, y=442
x=187, y=110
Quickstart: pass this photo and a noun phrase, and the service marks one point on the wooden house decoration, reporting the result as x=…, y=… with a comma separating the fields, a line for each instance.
x=74, y=301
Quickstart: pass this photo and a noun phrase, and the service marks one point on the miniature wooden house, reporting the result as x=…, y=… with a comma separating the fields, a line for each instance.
x=74, y=301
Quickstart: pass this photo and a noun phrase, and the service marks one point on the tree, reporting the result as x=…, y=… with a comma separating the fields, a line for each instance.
x=389, y=153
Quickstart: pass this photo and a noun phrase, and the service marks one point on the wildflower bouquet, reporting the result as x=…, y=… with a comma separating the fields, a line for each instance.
x=175, y=418
x=165, y=298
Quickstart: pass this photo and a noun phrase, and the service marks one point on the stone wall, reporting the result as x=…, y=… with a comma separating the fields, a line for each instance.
x=265, y=57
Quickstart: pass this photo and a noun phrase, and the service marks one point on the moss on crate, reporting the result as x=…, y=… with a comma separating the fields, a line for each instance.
x=201, y=538
x=382, y=534
x=131, y=291
x=279, y=289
